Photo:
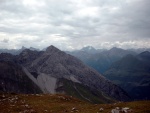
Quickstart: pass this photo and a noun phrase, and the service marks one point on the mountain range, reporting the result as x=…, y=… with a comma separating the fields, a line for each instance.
x=102, y=59
x=129, y=69
x=16, y=51
x=53, y=71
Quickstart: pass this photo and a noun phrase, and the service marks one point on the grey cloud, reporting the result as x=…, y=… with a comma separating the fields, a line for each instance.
x=135, y=19
x=92, y=22
x=5, y=40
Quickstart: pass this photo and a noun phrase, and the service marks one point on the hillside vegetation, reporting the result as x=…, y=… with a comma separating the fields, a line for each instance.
x=46, y=103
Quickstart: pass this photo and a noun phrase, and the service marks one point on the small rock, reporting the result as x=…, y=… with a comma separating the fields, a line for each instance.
x=46, y=110
x=27, y=106
x=114, y=111
x=74, y=109
x=101, y=109
x=125, y=109
x=3, y=96
x=117, y=108
x=32, y=111
x=37, y=95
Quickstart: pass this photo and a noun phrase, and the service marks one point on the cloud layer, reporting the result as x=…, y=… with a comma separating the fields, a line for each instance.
x=72, y=24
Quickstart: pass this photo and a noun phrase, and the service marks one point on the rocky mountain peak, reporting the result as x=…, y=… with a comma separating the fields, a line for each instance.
x=23, y=48
x=88, y=48
x=115, y=49
x=54, y=52
x=144, y=56
x=33, y=49
x=52, y=49
x=25, y=51
x=145, y=53
x=28, y=55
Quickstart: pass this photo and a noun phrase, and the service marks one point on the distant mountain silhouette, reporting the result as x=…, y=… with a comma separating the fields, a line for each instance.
x=16, y=51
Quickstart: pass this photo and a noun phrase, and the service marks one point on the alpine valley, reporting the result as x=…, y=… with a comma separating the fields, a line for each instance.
x=129, y=69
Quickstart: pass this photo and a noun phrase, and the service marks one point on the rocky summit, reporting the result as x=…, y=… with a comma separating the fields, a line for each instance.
x=53, y=71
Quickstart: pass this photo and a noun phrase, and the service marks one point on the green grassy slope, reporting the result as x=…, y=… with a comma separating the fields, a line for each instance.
x=84, y=93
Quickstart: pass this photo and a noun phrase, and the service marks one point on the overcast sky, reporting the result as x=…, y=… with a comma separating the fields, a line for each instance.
x=73, y=24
